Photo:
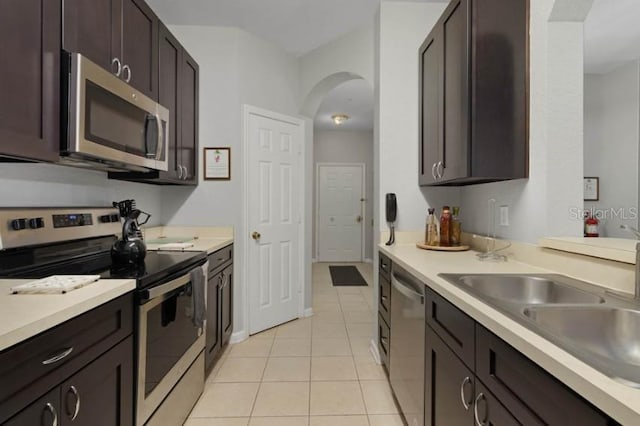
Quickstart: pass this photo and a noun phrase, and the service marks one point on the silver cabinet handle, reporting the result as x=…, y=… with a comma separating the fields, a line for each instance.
x=62, y=355
x=186, y=173
x=440, y=169
x=118, y=65
x=433, y=171
x=53, y=412
x=465, y=382
x=179, y=171
x=126, y=73
x=475, y=410
x=76, y=394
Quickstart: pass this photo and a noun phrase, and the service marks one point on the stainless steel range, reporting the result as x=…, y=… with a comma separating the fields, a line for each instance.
x=170, y=339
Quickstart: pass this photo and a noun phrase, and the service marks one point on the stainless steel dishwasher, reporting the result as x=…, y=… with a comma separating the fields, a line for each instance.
x=407, y=344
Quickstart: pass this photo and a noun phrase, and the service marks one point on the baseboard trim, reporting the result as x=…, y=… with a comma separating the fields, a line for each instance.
x=368, y=260
x=238, y=336
x=308, y=312
x=373, y=349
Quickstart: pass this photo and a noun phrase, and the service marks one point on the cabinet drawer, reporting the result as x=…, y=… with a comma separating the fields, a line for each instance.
x=384, y=298
x=384, y=333
x=453, y=326
x=532, y=395
x=384, y=264
x=220, y=257
x=34, y=367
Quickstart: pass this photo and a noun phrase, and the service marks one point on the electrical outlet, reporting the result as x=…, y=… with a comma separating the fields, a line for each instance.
x=504, y=215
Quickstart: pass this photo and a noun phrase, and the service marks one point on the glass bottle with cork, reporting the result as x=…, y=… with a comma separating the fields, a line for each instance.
x=431, y=235
x=445, y=227
x=456, y=228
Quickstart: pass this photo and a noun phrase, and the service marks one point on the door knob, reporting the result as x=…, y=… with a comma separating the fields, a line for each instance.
x=359, y=219
x=255, y=235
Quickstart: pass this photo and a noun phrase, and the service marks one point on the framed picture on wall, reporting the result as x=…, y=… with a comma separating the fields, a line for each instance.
x=591, y=189
x=217, y=163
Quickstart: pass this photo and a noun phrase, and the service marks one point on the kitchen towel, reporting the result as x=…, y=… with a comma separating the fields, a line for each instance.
x=197, y=286
x=346, y=276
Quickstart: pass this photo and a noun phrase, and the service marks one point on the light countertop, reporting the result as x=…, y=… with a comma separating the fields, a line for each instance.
x=617, y=249
x=25, y=315
x=615, y=399
x=203, y=238
x=209, y=245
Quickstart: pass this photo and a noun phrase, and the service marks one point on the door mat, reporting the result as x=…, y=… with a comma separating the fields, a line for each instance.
x=346, y=276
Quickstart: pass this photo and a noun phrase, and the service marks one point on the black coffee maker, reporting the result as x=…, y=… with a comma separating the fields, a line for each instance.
x=131, y=249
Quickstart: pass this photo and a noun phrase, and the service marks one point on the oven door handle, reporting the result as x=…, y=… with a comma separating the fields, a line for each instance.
x=155, y=292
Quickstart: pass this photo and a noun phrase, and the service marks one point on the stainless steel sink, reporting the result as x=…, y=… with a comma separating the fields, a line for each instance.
x=523, y=289
x=606, y=337
x=599, y=328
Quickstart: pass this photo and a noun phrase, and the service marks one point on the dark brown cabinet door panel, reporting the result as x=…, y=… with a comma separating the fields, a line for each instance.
x=449, y=385
x=456, y=92
x=189, y=117
x=93, y=28
x=431, y=68
x=43, y=412
x=30, y=79
x=488, y=411
x=139, y=47
x=101, y=394
x=213, y=336
x=528, y=391
x=169, y=92
x=226, y=304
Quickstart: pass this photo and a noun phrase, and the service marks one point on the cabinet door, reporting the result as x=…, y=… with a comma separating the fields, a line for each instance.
x=169, y=93
x=43, y=412
x=431, y=106
x=94, y=29
x=226, y=304
x=101, y=394
x=449, y=385
x=455, y=156
x=30, y=79
x=213, y=341
x=139, y=47
x=490, y=412
x=189, y=116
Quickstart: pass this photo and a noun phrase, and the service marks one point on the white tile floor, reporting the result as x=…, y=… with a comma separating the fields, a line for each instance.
x=314, y=371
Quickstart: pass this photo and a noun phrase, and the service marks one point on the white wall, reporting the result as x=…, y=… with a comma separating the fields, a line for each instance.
x=49, y=185
x=611, y=144
x=235, y=68
x=542, y=205
x=347, y=146
x=403, y=27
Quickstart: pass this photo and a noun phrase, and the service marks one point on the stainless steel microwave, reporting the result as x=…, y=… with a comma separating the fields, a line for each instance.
x=107, y=124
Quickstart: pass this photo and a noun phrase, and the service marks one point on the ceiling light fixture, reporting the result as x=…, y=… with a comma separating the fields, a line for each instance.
x=339, y=118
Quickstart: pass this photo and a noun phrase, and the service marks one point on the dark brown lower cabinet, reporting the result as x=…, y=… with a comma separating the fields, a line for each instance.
x=43, y=411
x=474, y=377
x=219, y=304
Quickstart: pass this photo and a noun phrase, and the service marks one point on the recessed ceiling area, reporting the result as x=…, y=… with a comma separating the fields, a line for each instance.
x=296, y=26
x=353, y=98
x=611, y=35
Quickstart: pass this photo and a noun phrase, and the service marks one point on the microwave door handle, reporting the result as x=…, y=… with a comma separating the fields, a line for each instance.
x=147, y=135
x=160, y=134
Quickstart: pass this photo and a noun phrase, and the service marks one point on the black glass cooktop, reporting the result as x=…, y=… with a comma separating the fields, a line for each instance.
x=94, y=258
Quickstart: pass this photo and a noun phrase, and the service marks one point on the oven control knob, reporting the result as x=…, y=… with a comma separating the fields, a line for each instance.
x=36, y=223
x=115, y=218
x=18, y=224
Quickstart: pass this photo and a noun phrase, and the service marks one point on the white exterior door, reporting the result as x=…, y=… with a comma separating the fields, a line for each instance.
x=274, y=182
x=339, y=212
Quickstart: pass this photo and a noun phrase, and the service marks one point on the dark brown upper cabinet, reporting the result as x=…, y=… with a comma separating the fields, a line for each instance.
x=119, y=35
x=178, y=80
x=30, y=80
x=474, y=102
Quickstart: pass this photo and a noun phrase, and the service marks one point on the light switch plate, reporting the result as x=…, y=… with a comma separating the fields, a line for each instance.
x=504, y=215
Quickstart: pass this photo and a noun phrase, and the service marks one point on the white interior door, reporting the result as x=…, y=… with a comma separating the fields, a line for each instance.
x=274, y=264
x=340, y=216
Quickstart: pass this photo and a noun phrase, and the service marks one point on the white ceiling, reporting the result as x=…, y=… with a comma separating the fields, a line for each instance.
x=353, y=98
x=611, y=35
x=297, y=26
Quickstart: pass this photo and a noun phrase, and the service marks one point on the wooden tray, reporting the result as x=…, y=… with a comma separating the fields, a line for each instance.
x=441, y=248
